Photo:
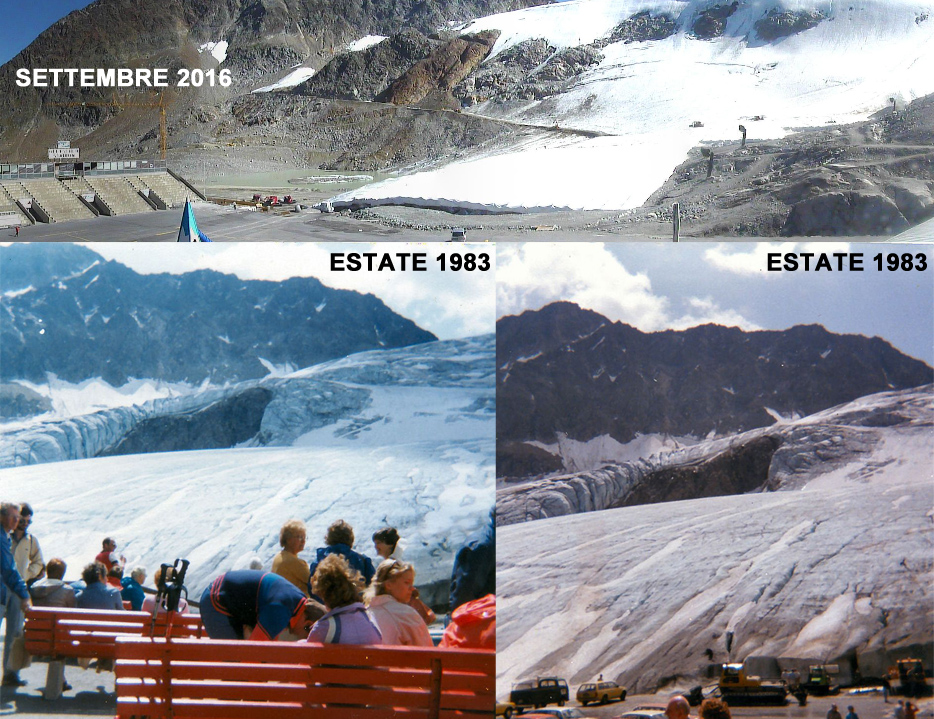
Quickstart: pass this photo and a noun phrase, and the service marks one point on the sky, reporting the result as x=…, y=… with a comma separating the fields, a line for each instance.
x=449, y=304
x=23, y=22
x=657, y=286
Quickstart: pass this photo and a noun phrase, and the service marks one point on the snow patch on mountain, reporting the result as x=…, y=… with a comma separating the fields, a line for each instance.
x=217, y=50
x=296, y=77
x=364, y=42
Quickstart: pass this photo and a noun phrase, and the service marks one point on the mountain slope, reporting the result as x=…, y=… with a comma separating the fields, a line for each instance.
x=566, y=370
x=110, y=322
x=258, y=38
x=645, y=72
x=837, y=571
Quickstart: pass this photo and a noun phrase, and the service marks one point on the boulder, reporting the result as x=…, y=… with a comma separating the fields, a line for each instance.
x=711, y=22
x=864, y=212
x=913, y=198
x=778, y=24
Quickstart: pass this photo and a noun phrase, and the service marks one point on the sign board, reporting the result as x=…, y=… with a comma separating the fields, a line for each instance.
x=64, y=154
x=64, y=144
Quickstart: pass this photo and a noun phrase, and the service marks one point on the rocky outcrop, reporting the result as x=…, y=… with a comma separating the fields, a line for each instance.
x=430, y=81
x=913, y=198
x=711, y=23
x=500, y=76
x=19, y=401
x=778, y=24
x=365, y=74
x=864, y=212
x=643, y=27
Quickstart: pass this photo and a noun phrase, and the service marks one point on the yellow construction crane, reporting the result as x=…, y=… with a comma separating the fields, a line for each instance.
x=120, y=103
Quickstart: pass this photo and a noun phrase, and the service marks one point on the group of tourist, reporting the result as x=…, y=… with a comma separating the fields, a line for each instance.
x=340, y=597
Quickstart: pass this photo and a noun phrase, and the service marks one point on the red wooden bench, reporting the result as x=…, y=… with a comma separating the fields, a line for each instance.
x=59, y=632
x=178, y=678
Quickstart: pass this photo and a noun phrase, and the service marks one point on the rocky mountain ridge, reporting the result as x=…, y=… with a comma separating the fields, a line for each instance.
x=107, y=320
x=568, y=370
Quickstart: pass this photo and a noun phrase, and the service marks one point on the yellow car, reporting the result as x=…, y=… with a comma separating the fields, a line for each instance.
x=505, y=709
x=601, y=692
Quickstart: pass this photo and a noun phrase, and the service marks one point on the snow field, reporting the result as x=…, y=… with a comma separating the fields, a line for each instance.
x=647, y=94
x=639, y=593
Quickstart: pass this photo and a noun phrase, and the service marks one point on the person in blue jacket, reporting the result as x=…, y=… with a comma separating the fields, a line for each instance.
x=97, y=593
x=474, y=574
x=11, y=583
x=339, y=540
x=256, y=605
x=132, y=590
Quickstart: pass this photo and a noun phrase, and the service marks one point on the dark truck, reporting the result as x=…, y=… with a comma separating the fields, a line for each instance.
x=539, y=692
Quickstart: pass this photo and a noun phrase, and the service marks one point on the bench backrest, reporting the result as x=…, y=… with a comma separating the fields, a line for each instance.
x=61, y=632
x=295, y=680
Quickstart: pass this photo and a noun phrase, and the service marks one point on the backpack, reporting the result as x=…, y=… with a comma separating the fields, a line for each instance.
x=473, y=625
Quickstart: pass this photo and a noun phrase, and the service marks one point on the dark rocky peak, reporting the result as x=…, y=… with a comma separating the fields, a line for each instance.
x=643, y=27
x=543, y=330
x=566, y=370
x=780, y=23
x=115, y=323
x=711, y=23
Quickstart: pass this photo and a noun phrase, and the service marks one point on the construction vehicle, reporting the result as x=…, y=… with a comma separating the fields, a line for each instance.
x=737, y=687
x=819, y=682
x=912, y=681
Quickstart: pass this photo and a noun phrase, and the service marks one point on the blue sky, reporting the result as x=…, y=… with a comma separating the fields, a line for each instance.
x=24, y=21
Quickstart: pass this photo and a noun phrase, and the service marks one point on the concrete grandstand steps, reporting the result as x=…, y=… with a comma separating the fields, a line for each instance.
x=19, y=192
x=8, y=204
x=80, y=186
x=119, y=194
x=172, y=192
x=58, y=201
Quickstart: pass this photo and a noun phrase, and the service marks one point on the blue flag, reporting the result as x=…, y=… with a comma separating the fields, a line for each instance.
x=188, y=231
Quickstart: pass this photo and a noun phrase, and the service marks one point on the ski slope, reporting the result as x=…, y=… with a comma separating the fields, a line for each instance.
x=644, y=96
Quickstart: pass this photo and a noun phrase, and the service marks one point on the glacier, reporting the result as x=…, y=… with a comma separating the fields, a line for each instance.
x=835, y=567
x=379, y=393
x=402, y=437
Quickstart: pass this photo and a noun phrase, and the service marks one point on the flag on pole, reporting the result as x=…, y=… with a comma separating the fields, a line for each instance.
x=188, y=231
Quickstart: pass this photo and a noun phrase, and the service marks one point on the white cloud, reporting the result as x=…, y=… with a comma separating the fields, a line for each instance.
x=450, y=304
x=704, y=310
x=533, y=275
x=751, y=258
